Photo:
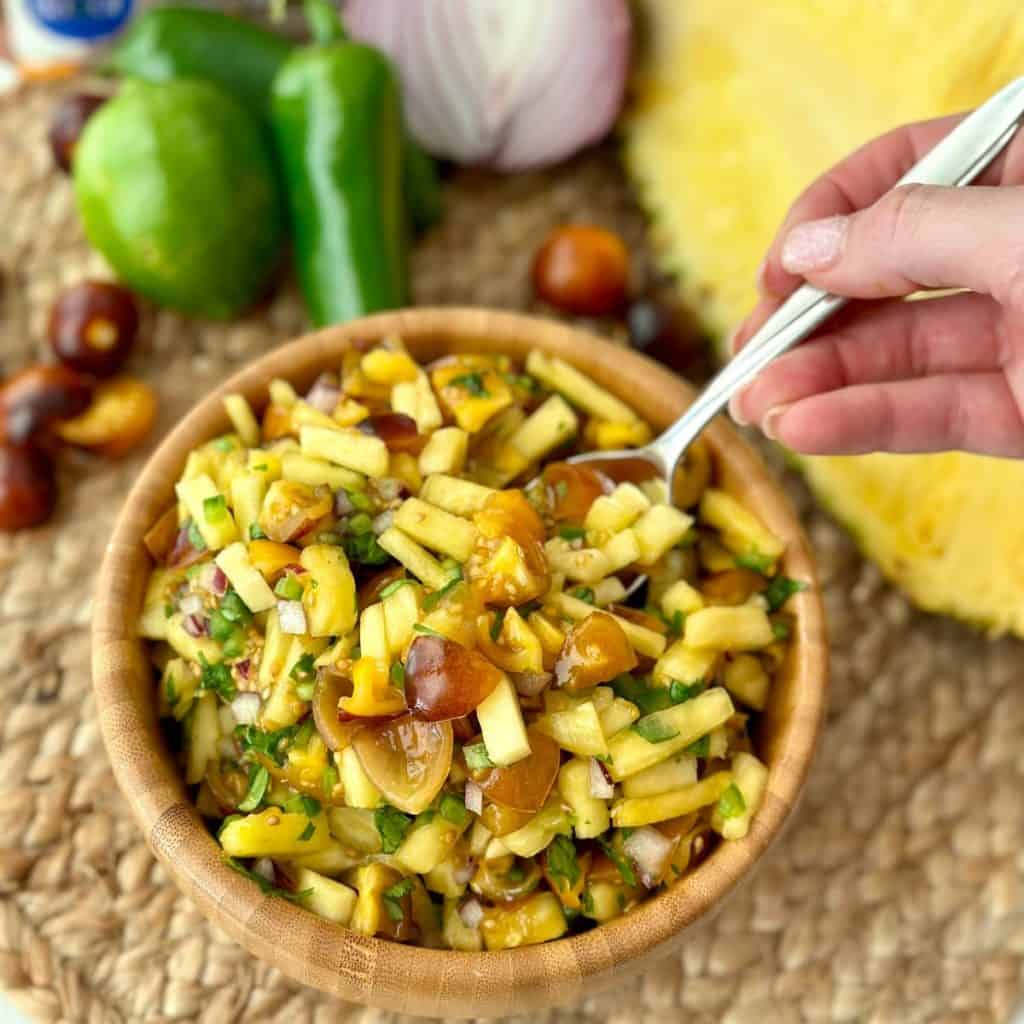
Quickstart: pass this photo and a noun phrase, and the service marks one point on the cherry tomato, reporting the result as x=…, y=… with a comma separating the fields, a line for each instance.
x=582, y=269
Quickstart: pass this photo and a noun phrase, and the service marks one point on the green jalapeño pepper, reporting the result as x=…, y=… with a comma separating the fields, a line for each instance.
x=336, y=114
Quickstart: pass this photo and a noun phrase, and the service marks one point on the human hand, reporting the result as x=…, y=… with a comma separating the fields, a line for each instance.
x=944, y=373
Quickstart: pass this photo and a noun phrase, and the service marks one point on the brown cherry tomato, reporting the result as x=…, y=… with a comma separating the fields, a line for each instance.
x=369, y=592
x=182, y=553
x=571, y=490
x=444, y=680
x=37, y=397
x=732, y=587
x=330, y=688
x=291, y=509
x=28, y=486
x=525, y=785
x=499, y=820
x=582, y=269
x=505, y=516
x=93, y=326
x=117, y=420
x=68, y=122
x=595, y=650
x=398, y=431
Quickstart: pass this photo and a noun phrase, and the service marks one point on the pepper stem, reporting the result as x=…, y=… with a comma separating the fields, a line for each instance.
x=324, y=22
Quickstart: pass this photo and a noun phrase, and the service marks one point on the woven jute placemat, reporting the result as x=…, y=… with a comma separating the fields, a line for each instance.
x=896, y=896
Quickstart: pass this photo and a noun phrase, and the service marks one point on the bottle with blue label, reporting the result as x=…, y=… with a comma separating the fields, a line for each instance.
x=47, y=36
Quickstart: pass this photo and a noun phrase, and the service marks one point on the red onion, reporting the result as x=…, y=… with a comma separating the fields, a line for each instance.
x=194, y=625
x=474, y=797
x=219, y=582
x=324, y=394
x=342, y=505
x=510, y=84
x=246, y=708
x=471, y=913
x=191, y=604
x=243, y=667
x=529, y=684
x=264, y=867
x=292, y=617
x=383, y=522
x=649, y=850
x=601, y=785
x=465, y=871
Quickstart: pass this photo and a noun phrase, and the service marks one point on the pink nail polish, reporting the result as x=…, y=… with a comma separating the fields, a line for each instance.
x=770, y=423
x=816, y=245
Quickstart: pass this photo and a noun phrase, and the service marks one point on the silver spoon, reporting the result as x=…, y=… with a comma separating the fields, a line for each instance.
x=955, y=161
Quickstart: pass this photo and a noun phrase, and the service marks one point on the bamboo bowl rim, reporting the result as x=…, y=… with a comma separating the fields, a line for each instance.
x=374, y=971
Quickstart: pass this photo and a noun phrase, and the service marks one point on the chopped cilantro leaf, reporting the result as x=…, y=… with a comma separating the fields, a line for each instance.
x=682, y=692
x=584, y=594
x=303, y=670
x=215, y=508
x=731, y=803
x=170, y=693
x=224, y=444
x=364, y=549
x=330, y=779
x=471, y=382
x=780, y=590
x=418, y=627
x=393, y=586
x=397, y=675
x=259, y=779
x=477, y=758
x=261, y=468
x=755, y=562
x=497, y=623
x=217, y=677
x=571, y=532
x=305, y=691
x=232, y=607
x=562, y=863
x=308, y=832
x=268, y=888
x=392, y=825
x=431, y=601
x=647, y=698
x=453, y=809
x=675, y=624
x=701, y=747
x=288, y=587
x=168, y=610
x=392, y=898
x=256, y=532
x=587, y=902
x=654, y=730
x=624, y=867
x=360, y=524
x=780, y=630
x=195, y=538
x=273, y=744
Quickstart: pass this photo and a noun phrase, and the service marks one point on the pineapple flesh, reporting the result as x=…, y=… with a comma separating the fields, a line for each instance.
x=738, y=107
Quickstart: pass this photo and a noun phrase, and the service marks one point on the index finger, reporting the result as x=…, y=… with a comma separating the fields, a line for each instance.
x=867, y=174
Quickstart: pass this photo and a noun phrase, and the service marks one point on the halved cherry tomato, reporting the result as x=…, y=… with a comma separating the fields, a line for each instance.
x=525, y=785
x=571, y=490
x=595, y=650
x=444, y=680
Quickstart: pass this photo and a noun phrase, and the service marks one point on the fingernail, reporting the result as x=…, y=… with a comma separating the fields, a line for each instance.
x=814, y=245
x=734, y=409
x=769, y=425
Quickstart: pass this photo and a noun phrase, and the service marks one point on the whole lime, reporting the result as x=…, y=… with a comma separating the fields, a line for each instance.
x=176, y=187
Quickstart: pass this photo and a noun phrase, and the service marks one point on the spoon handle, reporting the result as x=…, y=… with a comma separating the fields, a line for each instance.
x=955, y=161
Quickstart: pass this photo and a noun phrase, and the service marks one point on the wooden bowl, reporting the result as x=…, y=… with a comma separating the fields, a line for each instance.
x=372, y=971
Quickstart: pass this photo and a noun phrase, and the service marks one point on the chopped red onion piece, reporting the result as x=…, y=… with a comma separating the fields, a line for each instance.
x=529, y=684
x=324, y=394
x=389, y=488
x=383, y=522
x=601, y=786
x=264, y=867
x=246, y=708
x=465, y=871
x=191, y=604
x=194, y=625
x=291, y=617
x=342, y=505
x=474, y=797
x=219, y=582
x=471, y=913
x=649, y=850
x=243, y=667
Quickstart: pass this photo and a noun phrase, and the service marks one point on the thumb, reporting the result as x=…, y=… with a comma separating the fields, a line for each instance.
x=915, y=237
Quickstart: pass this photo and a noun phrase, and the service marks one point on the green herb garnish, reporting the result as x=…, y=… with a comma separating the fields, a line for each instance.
x=364, y=549
x=452, y=809
x=701, y=747
x=217, y=677
x=780, y=630
x=584, y=594
x=477, y=758
x=393, y=586
x=682, y=692
x=625, y=869
x=731, y=803
x=359, y=500
x=308, y=832
x=224, y=443
x=303, y=804
x=755, y=562
x=259, y=779
x=587, y=902
x=195, y=538
x=233, y=608
x=360, y=524
x=303, y=670
x=471, y=382
x=289, y=588
x=562, y=862
x=418, y=627
x=654, y=730
x=397, y=675
x=168, y=610
x=272, y=744
x=256, y=532
x=431, y=601
x=330, y=779
x=392, y=825
x=215, y=508
x=393, y=896
x=780, y=590
x=268, y=888
x=497, y=623
x=170, y=692
x=571, y=532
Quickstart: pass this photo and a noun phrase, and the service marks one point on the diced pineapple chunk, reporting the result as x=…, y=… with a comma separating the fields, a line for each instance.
x=750, y=776
x=548, y=427
x=461, y=497
x=371, y=880
x=672, y=774
x=383, y=366
x=445, y=452
x=685, y=663
x=745, y=678
x=209, y=511
x=606, y=435
x=354, y=827
x=584, y=565
x=621, y=549
x=457, y=934
x=401, y=610
x=680, y=725
x=745, y=627
x=613, y=512
x=304, y=469
x=427, y=845
x=551, y=820
x=346, y=447
x=360, y=792
x=177, y=688
x=577, y=387
x=577, y=730
x=332, y=900
x=247, y=580
x=329, y=597
x=741, y=531
x=282, y=393
x=550, y=636
x=275, y=650
x=264, y=462
x=633, y=813
x=436, y=529
x=242, y=419
x=416, y=399
x=617, y=716
x=153, y=620
x=661, y=527
x=275, y=833
x=332, y=860
x=270, y=557
x=247, y=493
x=415, y=558
x=202, y=737
x=590, y=814
x=191, y=648
x=605, y=901
x=608, y=591
x=539, y=918
x=681, y=598
x=501, y=725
